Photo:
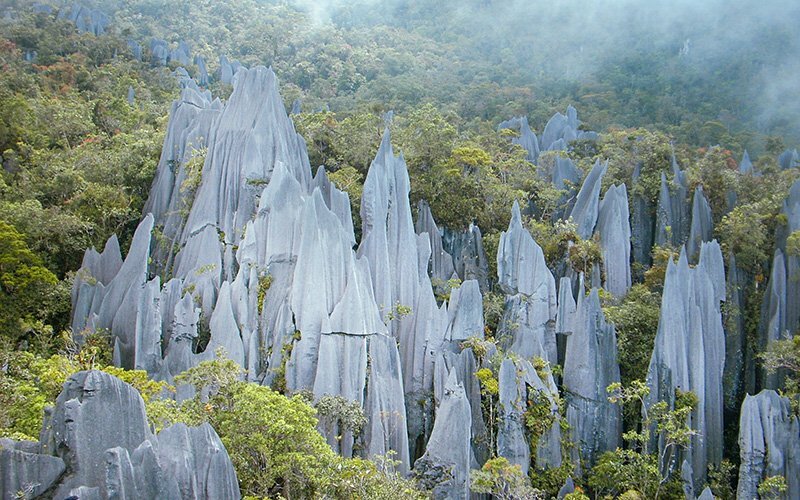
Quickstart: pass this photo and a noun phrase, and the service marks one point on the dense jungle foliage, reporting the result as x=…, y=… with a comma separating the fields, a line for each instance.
x=78, y=159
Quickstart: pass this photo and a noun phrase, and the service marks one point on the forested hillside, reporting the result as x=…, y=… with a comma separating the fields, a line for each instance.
x=377, y=328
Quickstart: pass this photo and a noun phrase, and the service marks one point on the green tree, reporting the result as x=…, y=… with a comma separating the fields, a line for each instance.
x=25, y=285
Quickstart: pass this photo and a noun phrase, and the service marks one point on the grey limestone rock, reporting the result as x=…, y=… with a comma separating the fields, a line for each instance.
x=781, y=303
x=587, y=205
x=159, y=52
x=530, y=309
x=385, y=405
x=469, y=257
x=464, y=365
x=96, y=443
x=735, y=339
x=706, y=494
x=642, y=223
x=775, y=300
x=202, y=70
x=86, y=19
x=94, y=412
x=689, y=352
x=569, y=487
x=565, y=320
x=198, y=461
x=297, y=107
x=441, y=266
x=527, y=139
x=445, y=466
x=519, y=383
x=702, y=228
x=789, y=159
x=562, y=129
x=590, y=366
x=746, y=166
x=672, y=212
x=614, y=228
x=228, y=69
x=252, y=135
x=465, y=312
x=29, y=472
x=182, y=54
x=769, y=444
x=136, y=49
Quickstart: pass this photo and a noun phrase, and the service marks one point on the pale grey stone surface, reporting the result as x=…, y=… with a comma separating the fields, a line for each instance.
x=689, y=352
x=702, y=228
x=519, y=383
x=614, y=228
x=530, y=309
x=590, y=366
x=769, y=444
x=96, y=443
x=445, y=466
x=587, y=205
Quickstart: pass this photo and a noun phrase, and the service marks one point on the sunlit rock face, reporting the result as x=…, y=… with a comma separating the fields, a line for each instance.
x=590, y=366
x=243, y=251
x=520, y=383
x=96, y=443
x=689, y=352
x=769, y=444
x=614, y=230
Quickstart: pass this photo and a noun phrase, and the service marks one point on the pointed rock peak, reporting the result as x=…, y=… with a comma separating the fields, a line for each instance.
x=593, y=301
x=111, y=249
x=683, y=260
x=452, y=386
x=321, y=177
x=385, y=150
x=282, y=186
x=746, y=166
x=516, y=216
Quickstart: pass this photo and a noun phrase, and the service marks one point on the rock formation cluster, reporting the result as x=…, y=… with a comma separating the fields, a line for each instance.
x=242, y=249
x=96, y=443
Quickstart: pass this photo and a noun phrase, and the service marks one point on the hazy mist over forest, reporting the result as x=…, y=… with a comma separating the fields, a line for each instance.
x=681, y=42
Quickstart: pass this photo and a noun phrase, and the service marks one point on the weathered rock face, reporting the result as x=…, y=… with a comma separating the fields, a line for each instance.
x=445, y=466
x=769, y=444
x=789, y=159
x=642, y=223
x=746, y=166
x=469, y=257
x=672, y=212
x=587, y=205
x=228, y=69
x=23, y=468
x=86, y=19
x=530, y=309
x=590, y=366
x=561, y=129
x=702, y=228
x=96, y=443
x=520, y=384
x=735, y=340
x=781, y=303
x=527, y=139
x=689, y=352
x=440, y=264
x=613, y=226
